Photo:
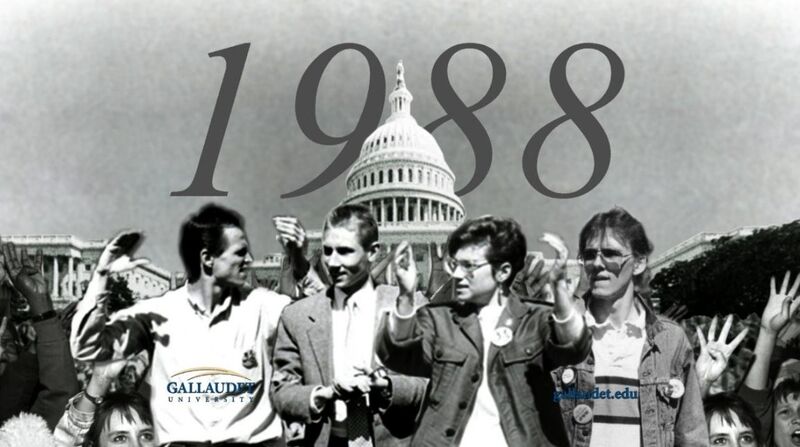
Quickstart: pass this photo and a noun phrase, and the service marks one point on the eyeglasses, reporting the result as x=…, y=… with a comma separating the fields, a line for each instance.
x=451, y=266
x=610, y=257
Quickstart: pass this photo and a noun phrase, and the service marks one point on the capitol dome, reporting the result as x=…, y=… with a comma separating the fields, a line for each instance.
x=401, y=174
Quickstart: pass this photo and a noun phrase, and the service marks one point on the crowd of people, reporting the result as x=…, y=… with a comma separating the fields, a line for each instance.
x=504, y=352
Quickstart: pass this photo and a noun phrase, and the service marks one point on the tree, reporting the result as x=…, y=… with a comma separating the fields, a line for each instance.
x=733, y=276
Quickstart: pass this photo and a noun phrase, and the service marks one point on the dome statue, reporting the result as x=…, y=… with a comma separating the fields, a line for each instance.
x=401, y=173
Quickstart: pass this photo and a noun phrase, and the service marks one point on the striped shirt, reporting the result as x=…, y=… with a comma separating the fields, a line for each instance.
x=617, y=354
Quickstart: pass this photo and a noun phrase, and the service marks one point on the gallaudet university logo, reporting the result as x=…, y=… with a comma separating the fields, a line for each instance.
x=210, y=384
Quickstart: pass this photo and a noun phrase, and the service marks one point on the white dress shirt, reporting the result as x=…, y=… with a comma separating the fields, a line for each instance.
x=353, y=332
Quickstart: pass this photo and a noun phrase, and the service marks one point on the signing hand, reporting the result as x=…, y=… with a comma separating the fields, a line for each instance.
x=557, y=277
x=376, y=382
x=116, y=256
x=405, y=269
x=350, y=387
x=714, y=354
x=26, y=275
x=781, y=305
x=103, y=374
x=291, y=234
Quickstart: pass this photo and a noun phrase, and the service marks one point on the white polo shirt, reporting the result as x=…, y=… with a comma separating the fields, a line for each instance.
x=210, y=371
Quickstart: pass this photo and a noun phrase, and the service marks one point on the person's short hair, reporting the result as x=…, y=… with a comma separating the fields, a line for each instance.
x=204, y=230
x=726, y=405
x=503, y=236
x=127, y=405
x=787, y=387
x=626, y=227
x=366, y=226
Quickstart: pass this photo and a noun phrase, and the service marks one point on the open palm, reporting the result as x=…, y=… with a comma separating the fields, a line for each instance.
x=715, y=353
x=781, y=304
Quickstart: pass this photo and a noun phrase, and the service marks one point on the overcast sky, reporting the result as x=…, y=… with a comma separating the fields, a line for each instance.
x=104, y=108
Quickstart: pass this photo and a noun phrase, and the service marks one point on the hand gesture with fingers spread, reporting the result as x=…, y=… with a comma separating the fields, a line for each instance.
x=715, y=353
x=781, y=304
x=117, y=255
x=26, y=275
x=531, y=281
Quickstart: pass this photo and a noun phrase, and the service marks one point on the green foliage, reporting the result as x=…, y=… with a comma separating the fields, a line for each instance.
x=733, y=276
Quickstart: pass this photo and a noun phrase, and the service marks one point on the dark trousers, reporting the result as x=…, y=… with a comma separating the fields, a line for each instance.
x=337, y=442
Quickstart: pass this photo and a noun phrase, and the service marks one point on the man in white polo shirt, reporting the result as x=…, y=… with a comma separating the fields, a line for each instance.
x=210, y=340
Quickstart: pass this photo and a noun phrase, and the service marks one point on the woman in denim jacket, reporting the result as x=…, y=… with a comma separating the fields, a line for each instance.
x=638, y=387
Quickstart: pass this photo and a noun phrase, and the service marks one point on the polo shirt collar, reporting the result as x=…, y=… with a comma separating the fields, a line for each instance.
x=635, y=323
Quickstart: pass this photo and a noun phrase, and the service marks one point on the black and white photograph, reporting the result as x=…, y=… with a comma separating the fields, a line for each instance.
x=410, y=223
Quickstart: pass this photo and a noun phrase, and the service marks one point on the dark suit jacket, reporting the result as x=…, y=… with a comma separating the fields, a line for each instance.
x=43, y=382
x=447, y=347
x=303, y=360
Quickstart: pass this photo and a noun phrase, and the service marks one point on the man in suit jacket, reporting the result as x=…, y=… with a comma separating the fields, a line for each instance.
x=324, y=352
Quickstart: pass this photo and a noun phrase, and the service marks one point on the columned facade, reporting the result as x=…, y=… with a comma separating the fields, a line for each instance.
x=68, y=263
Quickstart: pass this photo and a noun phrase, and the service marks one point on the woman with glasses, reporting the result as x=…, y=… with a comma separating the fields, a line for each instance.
x=487, y=353
x=639, y=384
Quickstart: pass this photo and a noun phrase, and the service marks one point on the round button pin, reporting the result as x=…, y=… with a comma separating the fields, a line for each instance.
x=582, y=414
x=568, y=376
x=676, y=388
x=502, y=336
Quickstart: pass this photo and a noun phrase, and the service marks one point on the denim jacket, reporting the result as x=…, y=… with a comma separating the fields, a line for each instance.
x=665, y=421
x=448, y=348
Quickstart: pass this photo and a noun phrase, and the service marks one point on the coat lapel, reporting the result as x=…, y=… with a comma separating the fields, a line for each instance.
x=467, y=320
x=321, y=338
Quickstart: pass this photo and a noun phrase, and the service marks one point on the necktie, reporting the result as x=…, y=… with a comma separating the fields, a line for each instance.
x=359, y=420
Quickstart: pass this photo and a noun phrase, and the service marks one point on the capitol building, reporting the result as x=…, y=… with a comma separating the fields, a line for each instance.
x=402, y=177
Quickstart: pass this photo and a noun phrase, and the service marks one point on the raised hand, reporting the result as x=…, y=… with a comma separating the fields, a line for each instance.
x=26, y=275
x=103, y=374
x=291, y=234
x=531, y=281
x=405, y=269
x=714, y=354
x=781, y=305
x=557, y=277
x=117, y=255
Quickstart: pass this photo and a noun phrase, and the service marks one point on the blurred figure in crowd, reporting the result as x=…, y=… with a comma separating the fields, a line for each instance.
x=37, y=376
x=97, y=417
x=777, y=406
